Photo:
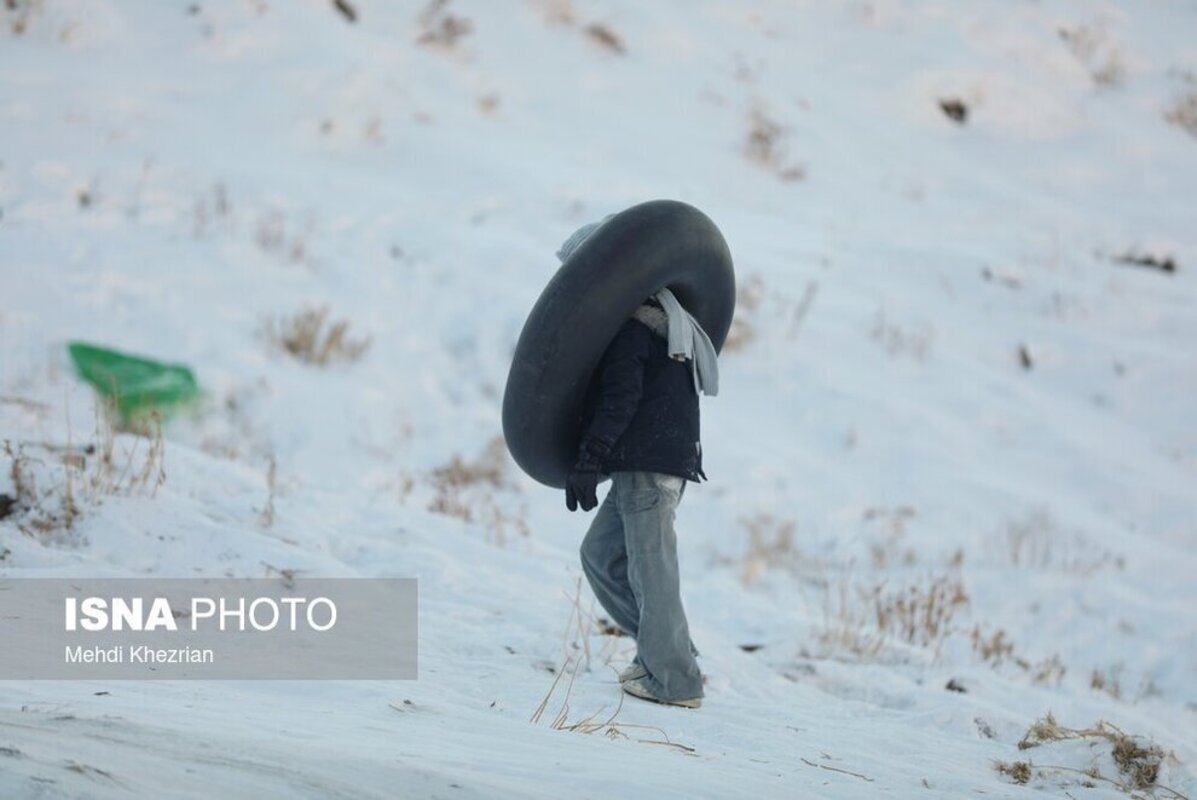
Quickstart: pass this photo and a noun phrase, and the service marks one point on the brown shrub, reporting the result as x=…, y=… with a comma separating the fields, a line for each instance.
x=1092, y=47
x=1183, y=112
x=441, y=28
x=766, y=145
x=995, y=649
x=304, y=337
x=1017, y=771
x=1137, y=761
x=466, y=490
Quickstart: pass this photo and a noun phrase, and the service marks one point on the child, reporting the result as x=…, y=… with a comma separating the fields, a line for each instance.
x=641, y=426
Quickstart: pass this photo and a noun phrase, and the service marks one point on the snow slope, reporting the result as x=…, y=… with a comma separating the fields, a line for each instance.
x=172, y=175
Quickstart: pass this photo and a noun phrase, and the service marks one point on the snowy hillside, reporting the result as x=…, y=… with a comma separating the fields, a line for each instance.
x=953, y=461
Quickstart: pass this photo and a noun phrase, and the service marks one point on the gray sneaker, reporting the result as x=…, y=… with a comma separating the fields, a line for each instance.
x=637, y=689
x=632, y=672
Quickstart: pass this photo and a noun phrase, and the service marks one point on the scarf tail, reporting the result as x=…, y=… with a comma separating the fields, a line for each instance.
x=689, y=340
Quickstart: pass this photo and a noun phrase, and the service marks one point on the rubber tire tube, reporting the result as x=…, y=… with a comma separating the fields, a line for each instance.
x=660, y=243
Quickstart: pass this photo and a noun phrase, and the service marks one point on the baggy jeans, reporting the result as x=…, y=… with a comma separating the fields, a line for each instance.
x=629, y=556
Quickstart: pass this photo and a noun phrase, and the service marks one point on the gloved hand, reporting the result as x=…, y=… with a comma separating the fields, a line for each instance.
x=581, y=486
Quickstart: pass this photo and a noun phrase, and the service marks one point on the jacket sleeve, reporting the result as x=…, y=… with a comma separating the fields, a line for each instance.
x=621, y=385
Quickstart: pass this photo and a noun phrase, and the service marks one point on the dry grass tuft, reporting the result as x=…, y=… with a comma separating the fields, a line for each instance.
x=440, y=28
x=1140, y=763
x=1137, y=761
x=213, y=210
x=749, y=294
x=766, y=146
x=1106, y=682
x=280, y=238
x=1038, y=541
x=130, y=472
x=305, y=337
x=286, y=575
x=557, y=12
x=995, y=649
x=18, y=12
x=1112, y=681
x=1041, y=731
x=466, y=490
x=764, y=138
x=1048, y=672
x=1183, y=112
x=488, y=104
x=787, y=312
x=862, y=621
x=605, y=38
x=770, y=545
x=20, y=474
x=1092, y=47
x=889, y=550
x=920, y=614
x=488, y=470
x=52, y=490
x=1017, y=771
x=577, y=657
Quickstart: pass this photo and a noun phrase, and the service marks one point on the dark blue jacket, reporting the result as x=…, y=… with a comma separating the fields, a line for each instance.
x=641, y=409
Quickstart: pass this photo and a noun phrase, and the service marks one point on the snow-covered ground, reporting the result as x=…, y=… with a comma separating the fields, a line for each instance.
x=949, y=403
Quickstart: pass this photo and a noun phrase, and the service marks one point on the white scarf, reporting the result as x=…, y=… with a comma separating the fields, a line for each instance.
x=687, y=340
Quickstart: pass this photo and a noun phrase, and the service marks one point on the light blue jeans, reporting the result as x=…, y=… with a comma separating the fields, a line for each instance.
x=629, y=556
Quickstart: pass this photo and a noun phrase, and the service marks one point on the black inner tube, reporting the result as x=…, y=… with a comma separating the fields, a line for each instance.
x=661, y=243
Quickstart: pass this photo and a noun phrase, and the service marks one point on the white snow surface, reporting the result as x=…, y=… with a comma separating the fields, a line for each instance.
x=173, y=174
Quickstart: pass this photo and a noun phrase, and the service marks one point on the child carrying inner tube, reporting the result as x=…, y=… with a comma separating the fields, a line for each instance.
x=640, y=426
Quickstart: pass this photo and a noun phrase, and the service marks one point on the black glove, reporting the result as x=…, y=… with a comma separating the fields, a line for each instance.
x=581, y=486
